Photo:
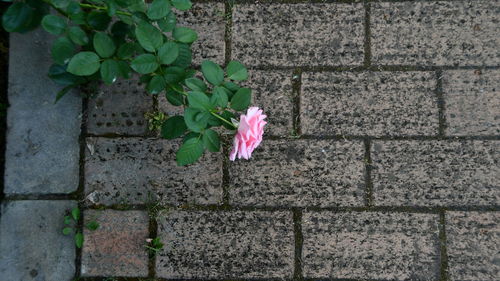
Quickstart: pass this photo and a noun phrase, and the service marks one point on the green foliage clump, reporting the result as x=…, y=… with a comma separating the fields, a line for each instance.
x=104, y=40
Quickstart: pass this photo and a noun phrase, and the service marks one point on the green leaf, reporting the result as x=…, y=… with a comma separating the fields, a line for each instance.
x=98, y=20
x=67, y=230
x=75, y=213
x=63, y=92
x=185, y=56
x=124, y=69
x=156, y=84
x=231, y=86
x=195, y=84
x=127, y=50
x=62, y=50
x=211, y=140
x=241, y=100
x=78, y=36
x=173, y=127
x=109, y=71
x=168, y=53
x=92, y=225
x=120, y=30
x=184, y=35
x=168, y=23
x=67, y=220
x=173, y=74
x=212, y=72
x=189, y=152
x=174, y=97
x=60, y=76
x=79, y=239
x=148, y=36
x=61, y=4
x=54, y=24
x=199, y=100
x=104, y=45
x=112, y=7
x=219, y=96
x=158, y=9
x=196, y=120
x=182, y=5
x=236, y=71
x=19, y=17
x=84, y=64
x=145, y=64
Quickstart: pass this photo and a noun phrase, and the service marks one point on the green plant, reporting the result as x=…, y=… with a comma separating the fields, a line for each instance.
x=71, y=222
x=154, y=245
x=103, y=40
x=155, y=120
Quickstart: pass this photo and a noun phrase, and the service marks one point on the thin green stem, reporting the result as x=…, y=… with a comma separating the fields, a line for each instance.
x=102, y=8
x=211, y=112
x=223, y=120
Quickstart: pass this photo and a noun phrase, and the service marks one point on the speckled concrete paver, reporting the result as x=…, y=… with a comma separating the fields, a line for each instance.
x=381, y=160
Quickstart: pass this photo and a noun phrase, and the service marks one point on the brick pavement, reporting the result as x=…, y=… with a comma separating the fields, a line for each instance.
x=382, y=161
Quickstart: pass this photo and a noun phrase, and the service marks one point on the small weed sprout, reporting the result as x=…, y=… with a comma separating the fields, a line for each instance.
x=71, y=226
x=155, y=120
x=154, y=245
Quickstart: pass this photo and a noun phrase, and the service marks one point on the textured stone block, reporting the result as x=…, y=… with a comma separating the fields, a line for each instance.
x=472, y=100
x=117, y=246
x=272, y=91
x=436, y=173
x=208, y=19
x=298, y=34
x=119, y=109
x=42, y=151
x=300, y=173
x=208, y=244
x=136, y=170
x=435, y=32
x=369, y=103
x=472, y=245
x=371, y=245
x=32, y=245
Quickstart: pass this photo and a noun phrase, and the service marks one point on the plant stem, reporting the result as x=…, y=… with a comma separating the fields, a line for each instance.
x=223, y=120
x=102, y=8
x=211, y=112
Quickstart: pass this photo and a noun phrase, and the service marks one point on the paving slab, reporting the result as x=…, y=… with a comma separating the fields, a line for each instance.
x=220, y=245
x=42, y=150
x=32, y=245
x=369, y=103
x=118, y=246
x=137, y=170
x=436, y=173
x=298, y=34
x=472, y=100
x=435, y=33
x=300, y=173
x=119, y=109
x=472, y=245
x=272, y=91
x=208, y=19
x=371, y=245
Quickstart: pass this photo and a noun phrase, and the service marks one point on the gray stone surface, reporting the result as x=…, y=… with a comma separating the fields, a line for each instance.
x=369, y=103
x=272, y=91
x=137, y=170
x=435, y=32
x=221, y=245
x=300, y=173
x=119, y=109
x=118, y=246
x=32, y=245
x=473, y=245
x=298, y=34
x=42, y=151
x=371, y=245
x=208, y=19
x=472, y=99
x=436, y=173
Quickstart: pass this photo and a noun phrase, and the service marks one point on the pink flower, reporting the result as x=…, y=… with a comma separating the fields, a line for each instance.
x=249, y=135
